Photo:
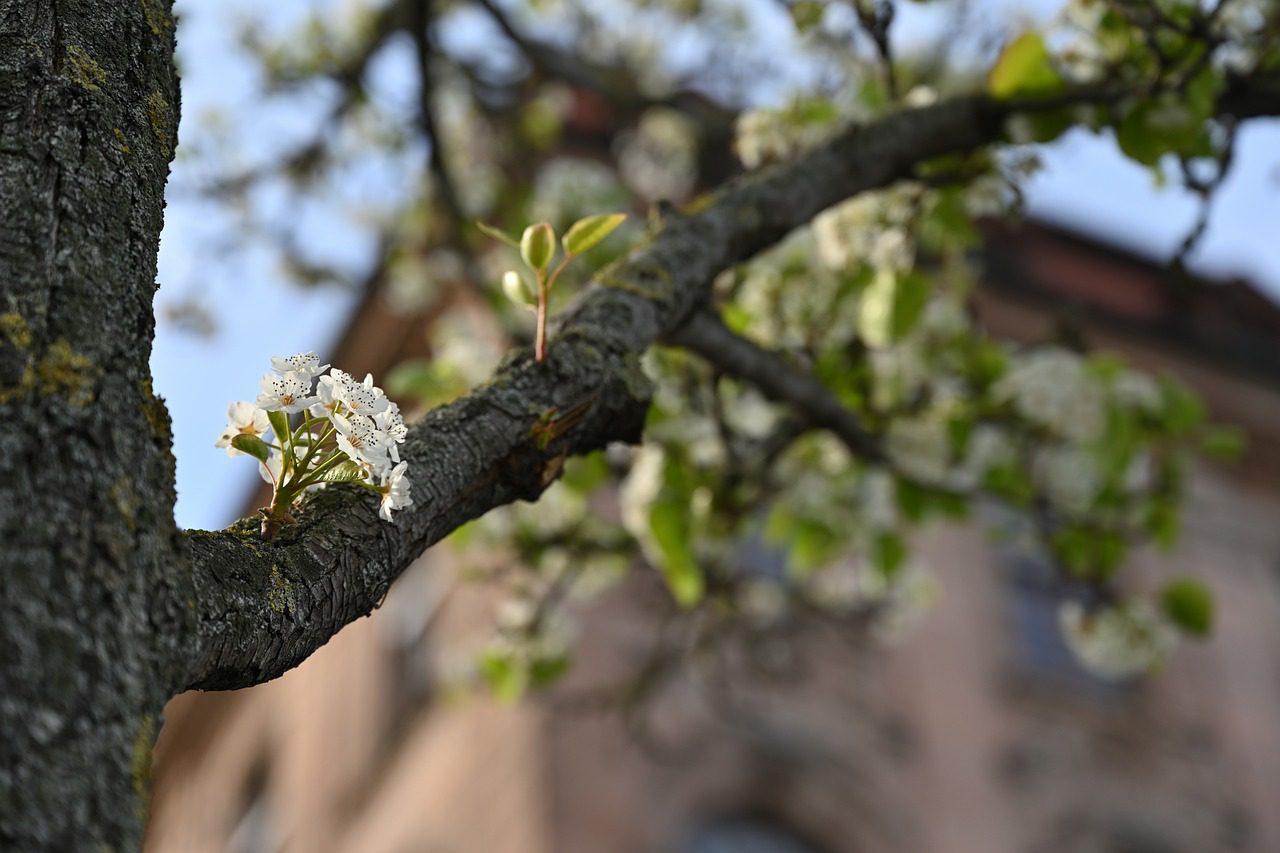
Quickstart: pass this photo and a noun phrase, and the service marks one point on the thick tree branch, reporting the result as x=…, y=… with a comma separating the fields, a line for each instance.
x=264, y=607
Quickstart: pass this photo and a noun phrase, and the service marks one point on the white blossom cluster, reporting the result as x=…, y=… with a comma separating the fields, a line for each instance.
x=1117, y=642
x=766, y=136
x=1050, y=387
x=344, y=430
x=896, y=604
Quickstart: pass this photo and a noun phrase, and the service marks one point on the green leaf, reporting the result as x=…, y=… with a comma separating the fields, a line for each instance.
x=585, y=474
x=586, y=233
x=1137, y=137
x=1183, y=410
x=1189, y=604
x=252, y=445
x=343, y=472
x=891, y=306
x=812, y=544
x=888, y=552
x=538, y=246
x=807, y=14
x=547, y=670
x=1024, y=69
x=1161, y=523
x=1201, y=92
x=669, y=522
x=504, y=675
x=490, y=231
x=279, y=425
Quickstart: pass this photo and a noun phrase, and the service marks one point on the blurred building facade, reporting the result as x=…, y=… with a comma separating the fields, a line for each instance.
x=975, y=733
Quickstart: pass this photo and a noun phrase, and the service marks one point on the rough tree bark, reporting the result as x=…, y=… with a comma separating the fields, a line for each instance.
x=107, y=609
x=93, y=613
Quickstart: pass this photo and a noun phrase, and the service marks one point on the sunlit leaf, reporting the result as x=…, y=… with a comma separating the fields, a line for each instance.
x=490, y=231
x=1024, y=69
x=586, y=233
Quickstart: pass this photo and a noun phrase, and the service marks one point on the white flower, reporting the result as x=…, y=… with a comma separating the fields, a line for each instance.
x=893, y=250
x=761, y=136
x=304, y=363
x=290, y=392
x=328, y=392
x=921, y=96
x=363, y=398
x=920, y=447
x=395, y=491
x=1117, y=642
x=1137, y=390
x=360, y=438
x=989, y=447
x=1051, y=387
x=1069, y=476
x=242, y=419
x=879, y=500
x=640, y=489
x=391, y=425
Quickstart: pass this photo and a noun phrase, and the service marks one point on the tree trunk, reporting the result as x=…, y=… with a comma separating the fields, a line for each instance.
x=90, y=591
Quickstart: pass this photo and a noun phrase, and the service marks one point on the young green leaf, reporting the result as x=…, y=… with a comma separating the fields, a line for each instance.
x=490, y=231
x=506, y=677
x=345, y=472
x=279, y=424
x=538, y=246
x=586, y=233
x=670, y=526
x=891, y=306
x=252, y=445
x=1024, y=68
x=1189, y=604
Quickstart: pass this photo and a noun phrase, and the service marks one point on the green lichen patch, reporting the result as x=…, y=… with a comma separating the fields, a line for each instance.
x=126, y=502
x=120, y=139
x=157, y=414
x=83, y=70
x=140, y=767
x=15, y=331
x=62, y=372
x=279, y=597
x=156, y=13
x=160, y=116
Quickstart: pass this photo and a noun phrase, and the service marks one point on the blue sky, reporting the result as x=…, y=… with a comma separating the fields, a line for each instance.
x=1086, y=184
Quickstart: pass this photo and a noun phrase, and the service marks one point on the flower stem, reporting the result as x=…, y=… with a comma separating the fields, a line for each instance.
x=313, y=477
x=540, y=343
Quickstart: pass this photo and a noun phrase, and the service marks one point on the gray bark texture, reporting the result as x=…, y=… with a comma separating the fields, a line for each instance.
x=93, y=612
x=107, y=610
